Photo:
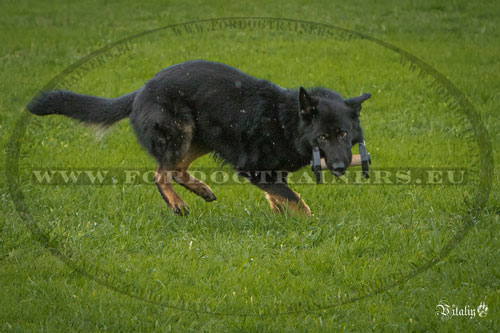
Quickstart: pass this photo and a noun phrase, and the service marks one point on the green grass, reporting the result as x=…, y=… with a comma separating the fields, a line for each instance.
x=116, y=258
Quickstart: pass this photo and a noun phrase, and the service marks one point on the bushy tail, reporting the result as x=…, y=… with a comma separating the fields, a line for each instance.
x=89, y=109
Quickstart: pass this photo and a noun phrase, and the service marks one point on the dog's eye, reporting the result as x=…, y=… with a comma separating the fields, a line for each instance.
x=341, y=134
x=323, y=137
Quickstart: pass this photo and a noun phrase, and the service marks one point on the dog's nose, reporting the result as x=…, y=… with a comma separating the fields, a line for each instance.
x=338, y=168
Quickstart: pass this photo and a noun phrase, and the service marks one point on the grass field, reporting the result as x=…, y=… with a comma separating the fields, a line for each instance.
x=375, y=256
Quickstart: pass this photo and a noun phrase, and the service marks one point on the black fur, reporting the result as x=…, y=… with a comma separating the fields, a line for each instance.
x=90, y=109
x=250, y=123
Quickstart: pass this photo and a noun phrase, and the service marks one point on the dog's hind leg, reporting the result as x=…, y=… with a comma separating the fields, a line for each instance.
x=166, y=132
x=280, y=196
x=186, y=179
x=164, y=182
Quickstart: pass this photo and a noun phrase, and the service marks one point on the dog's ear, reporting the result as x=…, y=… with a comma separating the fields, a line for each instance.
x=355, y=103
x=307, y=104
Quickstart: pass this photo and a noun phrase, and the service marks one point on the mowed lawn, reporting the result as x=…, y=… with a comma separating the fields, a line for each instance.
x=376, y=256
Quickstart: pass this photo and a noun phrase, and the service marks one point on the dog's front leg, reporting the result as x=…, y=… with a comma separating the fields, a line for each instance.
x=280, y=196
x=283, y=205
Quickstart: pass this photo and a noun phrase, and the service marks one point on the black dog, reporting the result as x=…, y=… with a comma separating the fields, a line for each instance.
x=196, y=107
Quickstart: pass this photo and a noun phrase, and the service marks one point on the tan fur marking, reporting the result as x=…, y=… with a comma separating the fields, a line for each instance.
x=282, y=205
x=183, y=177
x=163, y=179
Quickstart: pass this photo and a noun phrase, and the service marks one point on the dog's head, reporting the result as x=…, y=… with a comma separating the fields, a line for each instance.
x=331, y=123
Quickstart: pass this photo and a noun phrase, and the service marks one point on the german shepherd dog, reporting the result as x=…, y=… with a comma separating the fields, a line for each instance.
x=263, y=130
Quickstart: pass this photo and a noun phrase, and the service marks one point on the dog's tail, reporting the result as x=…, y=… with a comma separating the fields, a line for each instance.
x=89, y=109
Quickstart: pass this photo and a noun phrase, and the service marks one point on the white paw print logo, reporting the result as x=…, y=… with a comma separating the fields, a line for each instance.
x=482, y=310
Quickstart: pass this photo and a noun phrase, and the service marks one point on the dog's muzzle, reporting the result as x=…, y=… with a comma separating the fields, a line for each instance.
x=338, y=169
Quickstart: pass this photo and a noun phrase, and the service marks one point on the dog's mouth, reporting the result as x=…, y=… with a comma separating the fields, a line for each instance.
x=338, y=173
x=338, y=169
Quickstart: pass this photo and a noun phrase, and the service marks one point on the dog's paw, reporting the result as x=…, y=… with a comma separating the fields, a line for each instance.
x=208, y=195
x=181, y=209
x=179, y=206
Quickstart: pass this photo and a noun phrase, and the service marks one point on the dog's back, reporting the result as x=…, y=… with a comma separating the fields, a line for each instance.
x=237, y=116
